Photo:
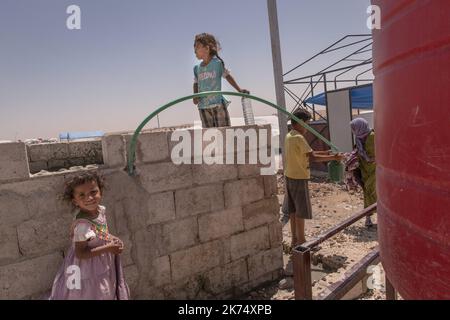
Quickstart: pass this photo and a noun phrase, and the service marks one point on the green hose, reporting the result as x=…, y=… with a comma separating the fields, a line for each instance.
x=132, y=149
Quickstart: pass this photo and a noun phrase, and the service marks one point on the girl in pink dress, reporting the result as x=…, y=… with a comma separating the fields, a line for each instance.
x=91, y=269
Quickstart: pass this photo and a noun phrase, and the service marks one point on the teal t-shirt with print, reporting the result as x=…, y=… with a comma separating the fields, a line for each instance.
x=209, y=78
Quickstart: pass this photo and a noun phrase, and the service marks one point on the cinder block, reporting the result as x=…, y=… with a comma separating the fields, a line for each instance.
x=276, y=234
x=223, y=278
x=9, y=249
x=44, y=236
x=256, y=137
x=55, y=164
x=179, y=234
x=26, y=278
x=150, y=147
x=264, y=137
x=243, y=159
x=161, y=272
x=132, y=278
x=185, y=289
x=265, y=262
x=261, y=212
x=114, y=152
x=204, y=174
x=161, y=208
x=85, y=149
x=214, y=146
x=199, y=200
x=245, y=138
x=248, y=170
x=196, y=259
x=49, y=151
x=250, y=242
x=270, y=186
x=164, y=176
x=121, y=221
x=148, y=245
x=120, y=185
x=242, y=192
x=38, y=166
x=141, y=210
x=13, y=208
x=220, y=224
x=267, y=143
x=126, y=201
x=13, y=161
x=197, y=145
x=75, y=162
x=211, y=146
x=226, y=247
x=43, y=196
x=186, y=146
x=145, y=292
x=97, y=156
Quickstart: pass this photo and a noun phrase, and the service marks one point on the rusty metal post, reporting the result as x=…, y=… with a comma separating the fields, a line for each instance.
x=391, y=293
x=302, y=273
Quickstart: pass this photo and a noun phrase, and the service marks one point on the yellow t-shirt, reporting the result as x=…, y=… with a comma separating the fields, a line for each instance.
x=296, y=158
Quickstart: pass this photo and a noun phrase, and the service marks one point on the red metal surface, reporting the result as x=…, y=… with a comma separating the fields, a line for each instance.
x=412, y=103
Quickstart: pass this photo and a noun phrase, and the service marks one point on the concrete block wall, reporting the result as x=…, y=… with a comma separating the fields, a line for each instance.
x=63, y=155
x=13, y=161
x=191, y=231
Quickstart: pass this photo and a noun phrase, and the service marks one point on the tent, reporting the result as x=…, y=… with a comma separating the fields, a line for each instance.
x=361, y=98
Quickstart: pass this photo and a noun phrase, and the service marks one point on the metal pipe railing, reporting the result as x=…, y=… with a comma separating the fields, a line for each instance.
x=302, y=259
x=358, y=272
x=338, y=228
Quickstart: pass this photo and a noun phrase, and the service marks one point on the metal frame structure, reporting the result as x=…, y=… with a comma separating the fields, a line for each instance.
x=358, y=62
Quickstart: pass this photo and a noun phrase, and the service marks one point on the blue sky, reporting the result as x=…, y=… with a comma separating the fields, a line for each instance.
x=132, y=56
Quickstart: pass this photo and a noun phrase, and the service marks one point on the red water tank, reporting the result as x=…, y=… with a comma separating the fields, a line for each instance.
x=412, y=122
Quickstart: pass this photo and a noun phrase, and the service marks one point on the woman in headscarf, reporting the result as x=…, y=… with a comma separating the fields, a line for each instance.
x=365, y=147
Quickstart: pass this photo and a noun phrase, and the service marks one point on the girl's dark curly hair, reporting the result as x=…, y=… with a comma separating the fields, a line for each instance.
x=80, y=180
x=208, y=40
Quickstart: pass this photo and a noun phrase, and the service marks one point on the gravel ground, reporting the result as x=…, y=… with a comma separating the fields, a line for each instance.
x=331, y=204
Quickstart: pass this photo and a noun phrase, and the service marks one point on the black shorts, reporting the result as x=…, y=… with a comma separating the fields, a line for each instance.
x=296, y=199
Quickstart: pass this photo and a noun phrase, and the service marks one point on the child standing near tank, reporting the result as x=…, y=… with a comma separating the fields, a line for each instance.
x=208, y=77
x=298, y=155
x=91, y=269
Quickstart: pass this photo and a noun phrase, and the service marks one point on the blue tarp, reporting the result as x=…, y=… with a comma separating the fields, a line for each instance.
x=80, y=135
x=362, y=98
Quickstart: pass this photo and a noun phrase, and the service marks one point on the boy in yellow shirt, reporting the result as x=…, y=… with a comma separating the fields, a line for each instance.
x=298, y=155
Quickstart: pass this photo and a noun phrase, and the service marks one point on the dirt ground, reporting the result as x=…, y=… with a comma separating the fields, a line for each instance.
x=331, y=204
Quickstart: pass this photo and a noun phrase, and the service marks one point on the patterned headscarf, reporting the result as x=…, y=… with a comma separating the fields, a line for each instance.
x=360, y=128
